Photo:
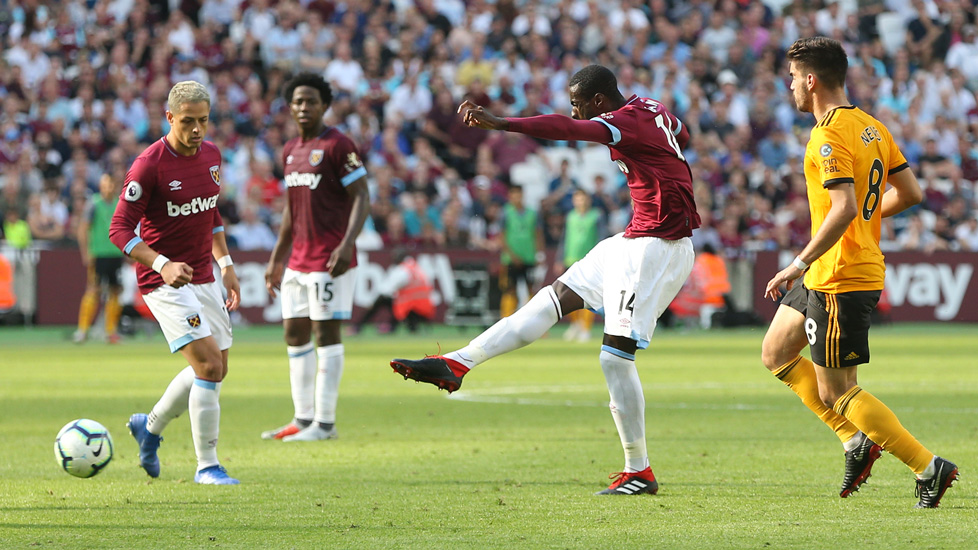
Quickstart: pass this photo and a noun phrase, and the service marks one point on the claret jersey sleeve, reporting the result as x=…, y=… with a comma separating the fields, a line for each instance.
x=169, y=201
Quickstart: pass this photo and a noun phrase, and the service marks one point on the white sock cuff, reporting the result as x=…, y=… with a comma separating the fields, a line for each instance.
x=298, y=351
x=208, y=385
x=613, y=356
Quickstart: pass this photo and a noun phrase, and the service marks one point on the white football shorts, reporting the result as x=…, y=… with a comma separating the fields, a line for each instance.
x=631, y=282
x=318, y=295
x=190, y=313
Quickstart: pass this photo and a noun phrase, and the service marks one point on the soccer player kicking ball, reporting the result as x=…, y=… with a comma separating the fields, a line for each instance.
x=327, y=206
x=850, y=158
x=171, y=193
x=632, y=276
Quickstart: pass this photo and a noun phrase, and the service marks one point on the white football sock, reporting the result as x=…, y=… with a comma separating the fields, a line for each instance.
x=302, y=375
x=205, y=421
x=328, y=382
x=627, y=406
x=174, y=402
x=526, y=325
x=854, y=442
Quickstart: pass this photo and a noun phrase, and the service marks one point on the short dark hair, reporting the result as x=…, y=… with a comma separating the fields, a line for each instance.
x=312, y=80
x=595, y=79
x=824, y=57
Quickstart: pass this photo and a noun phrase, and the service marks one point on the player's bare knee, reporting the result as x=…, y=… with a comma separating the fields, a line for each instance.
x=210, y=367
x=772, y=358
x=828, y=396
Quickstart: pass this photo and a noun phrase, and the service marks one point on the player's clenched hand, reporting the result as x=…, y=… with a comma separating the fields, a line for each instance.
x=786, y=276
x=476, y=116
x=231, y=284
x=177, y=274
x=340, y=260
x=273, y=277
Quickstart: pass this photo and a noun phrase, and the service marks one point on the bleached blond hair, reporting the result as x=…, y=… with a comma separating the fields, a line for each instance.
x=187, y=91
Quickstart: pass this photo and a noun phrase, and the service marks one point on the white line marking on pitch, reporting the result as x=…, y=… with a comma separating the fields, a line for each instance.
x=510, y=395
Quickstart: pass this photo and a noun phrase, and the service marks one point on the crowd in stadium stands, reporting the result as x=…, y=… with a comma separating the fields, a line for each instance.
x=83, y=89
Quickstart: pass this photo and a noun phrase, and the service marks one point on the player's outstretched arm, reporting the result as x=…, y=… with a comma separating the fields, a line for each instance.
x=903, y=193
x=276, y=263
x=478, y=117
x=552, y=127
x=219, y=249
x=342, y=257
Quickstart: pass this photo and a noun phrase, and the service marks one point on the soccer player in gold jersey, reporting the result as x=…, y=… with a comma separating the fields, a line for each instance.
x=850, y=159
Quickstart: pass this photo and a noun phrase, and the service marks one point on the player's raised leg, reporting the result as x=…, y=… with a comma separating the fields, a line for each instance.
x=524, y=326
x=148, y=429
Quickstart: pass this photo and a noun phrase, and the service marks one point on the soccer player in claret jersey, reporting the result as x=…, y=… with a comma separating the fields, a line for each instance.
x=632, y=276
x=327, y=206
x=170, y=194
x=850, y=159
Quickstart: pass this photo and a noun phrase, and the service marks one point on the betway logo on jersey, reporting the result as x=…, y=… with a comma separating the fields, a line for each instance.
x=295, y=179
x=199, y=204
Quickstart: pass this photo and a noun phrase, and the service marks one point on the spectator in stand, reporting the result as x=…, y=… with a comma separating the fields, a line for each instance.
x=250, y=233
x=966, y=235
x=560, y=195
x=409, y=103
x=344, y=73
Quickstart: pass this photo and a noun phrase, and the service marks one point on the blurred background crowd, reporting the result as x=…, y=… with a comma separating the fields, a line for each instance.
x=83, y=88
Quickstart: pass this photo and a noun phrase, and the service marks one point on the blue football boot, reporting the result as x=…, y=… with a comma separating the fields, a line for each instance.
x=214, y=475
x=148, y=444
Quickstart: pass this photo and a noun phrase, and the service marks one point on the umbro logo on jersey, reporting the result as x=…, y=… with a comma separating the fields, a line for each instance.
x=632, y=486
x=288, y=159
x=852, y=355
x=175, y=185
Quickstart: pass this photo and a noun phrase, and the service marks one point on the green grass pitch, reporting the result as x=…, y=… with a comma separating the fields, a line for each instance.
x=511, y=461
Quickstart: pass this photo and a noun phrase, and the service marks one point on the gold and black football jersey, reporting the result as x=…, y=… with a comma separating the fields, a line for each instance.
x=848, y=146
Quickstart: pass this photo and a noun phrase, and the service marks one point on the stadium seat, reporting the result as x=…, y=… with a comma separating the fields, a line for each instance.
x=892, y=30
x=533, y=177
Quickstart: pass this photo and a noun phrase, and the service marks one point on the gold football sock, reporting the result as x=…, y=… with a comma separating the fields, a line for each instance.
x=87, y=311
x=799, y=375
x=882, y=426
x=587, y=319
x=507, y=304
x=113, y=311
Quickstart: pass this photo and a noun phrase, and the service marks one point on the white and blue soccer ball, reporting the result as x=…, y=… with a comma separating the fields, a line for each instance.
x=83, y=447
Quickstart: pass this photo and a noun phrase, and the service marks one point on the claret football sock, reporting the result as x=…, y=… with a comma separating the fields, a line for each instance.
x=173, y=403
x=879, y=423
x=799, y=375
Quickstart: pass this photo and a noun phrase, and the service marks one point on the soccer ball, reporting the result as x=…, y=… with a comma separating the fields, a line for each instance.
x=83, y=447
